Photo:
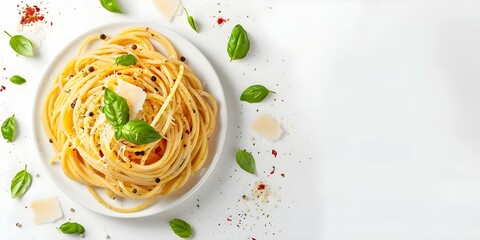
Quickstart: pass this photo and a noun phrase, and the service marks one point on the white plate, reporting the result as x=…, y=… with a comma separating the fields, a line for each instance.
x=78, y=192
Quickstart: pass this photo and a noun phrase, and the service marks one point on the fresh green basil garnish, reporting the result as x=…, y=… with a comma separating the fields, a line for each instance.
x=139, y=132
x=181, y=228
x=115, y=108
x=8, y=128
x=116, y=112
x=191, y=21
x=111, y=6
x=17, y=79
x=255, y=94
x=21, y=45
x=72, y=228
x=238, y=44
x=246, y=161
x=126, y=60
x=20, y=183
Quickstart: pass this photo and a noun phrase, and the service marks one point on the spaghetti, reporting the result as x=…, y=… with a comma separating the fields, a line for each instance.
x=176, y=105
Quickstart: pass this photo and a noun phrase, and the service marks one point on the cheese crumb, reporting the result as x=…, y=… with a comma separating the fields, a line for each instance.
x=268, y=127
x=46, y=210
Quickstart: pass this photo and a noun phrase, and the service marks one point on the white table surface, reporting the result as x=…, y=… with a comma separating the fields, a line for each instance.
x=379, y=101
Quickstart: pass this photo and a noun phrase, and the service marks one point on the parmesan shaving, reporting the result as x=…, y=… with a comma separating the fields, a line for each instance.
x=46, y=210
x=134, y=95
x=168, y=8
x=268, y=127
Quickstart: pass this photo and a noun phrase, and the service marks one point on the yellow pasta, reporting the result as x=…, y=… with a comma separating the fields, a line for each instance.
x=176, y=106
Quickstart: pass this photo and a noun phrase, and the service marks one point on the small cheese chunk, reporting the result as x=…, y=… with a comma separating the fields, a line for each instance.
x=134, y=95
x=268, y=127
x=168, y=8
x=46, y=210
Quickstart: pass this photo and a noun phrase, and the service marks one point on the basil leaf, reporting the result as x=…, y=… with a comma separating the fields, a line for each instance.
x=181, y=228
x=255, y=94
x=115, y=108
x=238, y=44
x=8, y=128
x=111, y=6
x=72, y=228
x=191, y=21
x=139, y=132
x=126, y=60
x=246, y=161
x=17, y=79
x=20, y=183
x=21, y=45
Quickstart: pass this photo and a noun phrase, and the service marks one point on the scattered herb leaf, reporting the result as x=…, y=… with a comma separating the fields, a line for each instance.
x=246, y=161
x=8, y=128
x=255, y=94
x=191, y=21
x=238, y=44
x=72, y=228
x=20, y=183
x=181, y=228
x=17, y=79
x=111, y=6
x=21, y=45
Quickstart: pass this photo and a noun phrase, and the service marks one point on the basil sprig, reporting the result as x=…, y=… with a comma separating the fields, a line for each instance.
x=139, y=132
x=20, y=183
x=255, y=94
x=181, y=228
x=238, y=44
x=17, y=79
x=116, y=112
x=246, y=161
x=111, y=6
x=8, y=128
x=21, y=45
x=126, y=60
x=72, y=228
x=191, y=21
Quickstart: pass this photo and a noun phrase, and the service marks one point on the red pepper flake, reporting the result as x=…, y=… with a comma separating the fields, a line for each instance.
x=254, y=238
x=261, y=186
x=283, y=174
x=274, y=153
x=3, y=88
x=221, y=20
x=273, y=170
x=31, y=15
x=229, y=219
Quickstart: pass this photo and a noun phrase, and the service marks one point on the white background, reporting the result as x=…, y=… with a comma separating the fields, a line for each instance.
x=379, y=101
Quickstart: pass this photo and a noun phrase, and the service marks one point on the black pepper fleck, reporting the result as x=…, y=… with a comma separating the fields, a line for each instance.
x=134, y=190
x=103, y=36
x=153, y=78
x=134, y=46
x=182, y=58
x=91, y=69
x=157, y=180
x=90, y=114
